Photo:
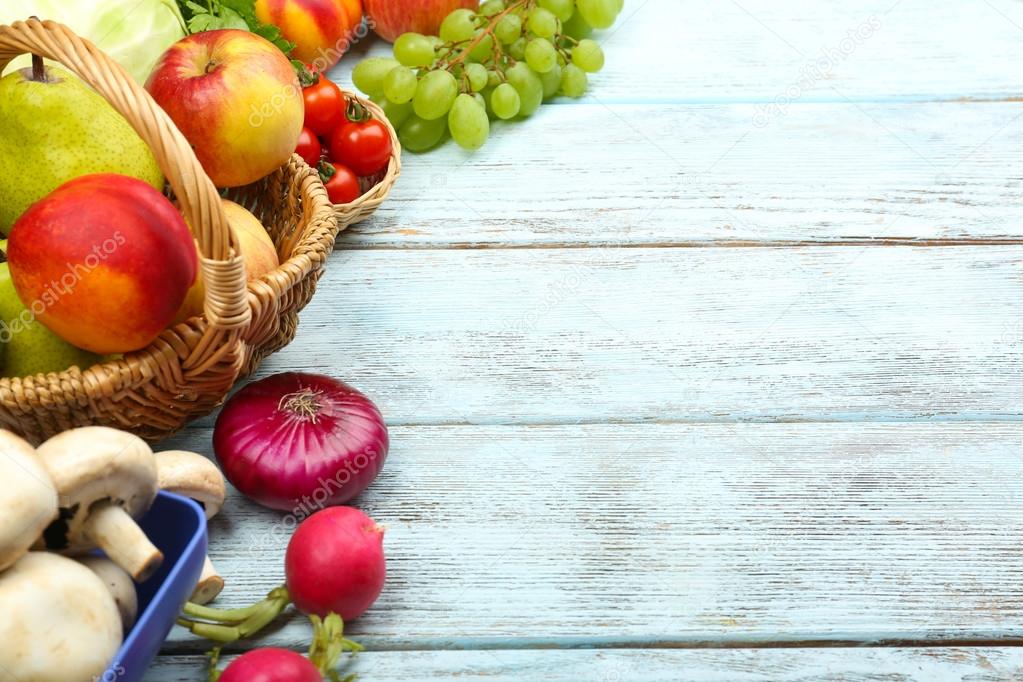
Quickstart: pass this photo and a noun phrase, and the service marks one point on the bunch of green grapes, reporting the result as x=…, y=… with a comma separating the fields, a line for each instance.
x=500, y=62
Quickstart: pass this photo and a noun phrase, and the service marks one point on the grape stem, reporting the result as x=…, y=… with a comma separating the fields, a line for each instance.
x=488, y=31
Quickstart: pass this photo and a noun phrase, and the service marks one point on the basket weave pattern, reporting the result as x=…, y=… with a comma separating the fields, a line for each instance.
x=189, y=369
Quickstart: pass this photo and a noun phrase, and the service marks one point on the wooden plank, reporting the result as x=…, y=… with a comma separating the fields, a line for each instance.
x=988, y=664
x=673, y=536
x=686, y=51
x=627, y=335
x=664, y=174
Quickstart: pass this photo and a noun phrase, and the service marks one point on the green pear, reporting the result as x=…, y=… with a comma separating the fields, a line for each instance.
x=29, y=347
x=53, y=127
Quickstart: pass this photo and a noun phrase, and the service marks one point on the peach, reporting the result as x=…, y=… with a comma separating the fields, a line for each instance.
x=103, y=261
x=257, y=249
x=237, y=100
x=320, y=29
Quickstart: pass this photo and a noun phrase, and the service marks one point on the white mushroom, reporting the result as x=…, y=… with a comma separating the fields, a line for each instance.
x=192, y=475
x=58, y=622
x=27, y=498
x=120, y=585
x=104, y=478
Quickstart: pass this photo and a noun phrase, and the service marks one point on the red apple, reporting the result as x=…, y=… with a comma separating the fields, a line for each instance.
x=104, y=261
x=322, y=30
x=391, y=18
x=237, y=99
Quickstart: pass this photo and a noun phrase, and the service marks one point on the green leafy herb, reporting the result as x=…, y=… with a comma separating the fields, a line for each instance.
x=239, y=14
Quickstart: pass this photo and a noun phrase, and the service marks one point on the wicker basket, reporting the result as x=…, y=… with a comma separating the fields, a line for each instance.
x=189, y=369
x=375, y=188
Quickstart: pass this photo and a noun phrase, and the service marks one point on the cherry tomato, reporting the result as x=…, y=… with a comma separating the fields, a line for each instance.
x=342, y=186
x=363, y=146
x=324, y=106
x=309, y=147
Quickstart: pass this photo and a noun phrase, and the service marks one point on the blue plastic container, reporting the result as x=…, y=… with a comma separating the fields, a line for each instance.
x=177, y=526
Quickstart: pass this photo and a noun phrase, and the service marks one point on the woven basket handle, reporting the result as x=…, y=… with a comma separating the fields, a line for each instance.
x=226, y=305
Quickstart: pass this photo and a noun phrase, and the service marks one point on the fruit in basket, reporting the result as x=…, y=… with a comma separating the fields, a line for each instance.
x=58, y=622
x=56, y=128
x=257, y=249
x=236, y=98
x=104, y=260
x=29, y=347
x=391, y=18
x=321, y=30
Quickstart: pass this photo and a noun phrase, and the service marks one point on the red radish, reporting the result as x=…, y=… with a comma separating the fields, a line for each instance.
x=334, y=567
x=271, y=665
x=297, y=442
x=335, y=563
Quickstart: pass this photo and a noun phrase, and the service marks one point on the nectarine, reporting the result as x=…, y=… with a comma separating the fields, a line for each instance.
x=321, y=29
x=104, y=261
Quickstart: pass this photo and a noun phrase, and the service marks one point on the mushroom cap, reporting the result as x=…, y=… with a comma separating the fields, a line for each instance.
x=27, y=498
x=95, y=463
x=194, y=476
x=120, y=585
x=58, y=622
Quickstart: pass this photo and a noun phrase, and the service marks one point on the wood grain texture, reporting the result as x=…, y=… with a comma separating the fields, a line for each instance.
x=668, y=174
x=628, y=335
x=988, y=664
x=576, y=490
x=690, y=51
x=745, y=120
x=669, y=536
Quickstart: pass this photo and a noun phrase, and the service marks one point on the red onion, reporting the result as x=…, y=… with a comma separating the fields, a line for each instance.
x=299, y=442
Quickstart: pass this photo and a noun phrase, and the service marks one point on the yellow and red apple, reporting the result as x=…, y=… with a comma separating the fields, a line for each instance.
x=104, y=261
x=257, y=249
x=236, y=98
x=321, y=29
x=391, y=18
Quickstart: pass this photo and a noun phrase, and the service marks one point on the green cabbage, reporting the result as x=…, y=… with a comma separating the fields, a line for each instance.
x=134, y=32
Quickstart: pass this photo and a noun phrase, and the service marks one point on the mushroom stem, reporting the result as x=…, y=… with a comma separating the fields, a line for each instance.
x=117, y=534
x=209, y=586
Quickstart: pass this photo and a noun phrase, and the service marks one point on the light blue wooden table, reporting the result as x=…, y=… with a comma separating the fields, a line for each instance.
x=713, y=375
